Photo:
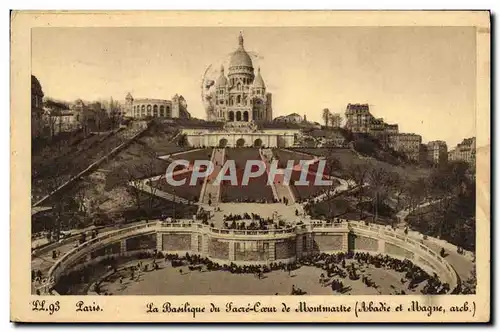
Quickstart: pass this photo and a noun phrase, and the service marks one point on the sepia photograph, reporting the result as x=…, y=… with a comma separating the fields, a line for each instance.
x=256, y=160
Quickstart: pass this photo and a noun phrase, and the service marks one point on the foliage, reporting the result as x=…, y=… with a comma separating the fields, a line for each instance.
x=450, y=213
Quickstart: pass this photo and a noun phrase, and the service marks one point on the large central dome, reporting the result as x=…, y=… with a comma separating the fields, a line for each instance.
x=240, y=57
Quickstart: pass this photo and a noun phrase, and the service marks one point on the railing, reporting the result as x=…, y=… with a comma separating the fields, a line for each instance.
x=382, y=231
x=98, y=239
x=411, y=242
x=249, y=232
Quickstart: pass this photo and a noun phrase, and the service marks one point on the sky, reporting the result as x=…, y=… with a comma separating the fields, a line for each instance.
x=422, y=78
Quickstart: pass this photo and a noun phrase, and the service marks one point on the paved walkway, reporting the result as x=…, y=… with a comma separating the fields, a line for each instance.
x=169, y=281
x=144, y=186
x=282, y=211
x=463, y=264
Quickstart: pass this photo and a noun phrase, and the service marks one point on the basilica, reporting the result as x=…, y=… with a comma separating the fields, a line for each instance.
x=242, y=104
x=242, y=95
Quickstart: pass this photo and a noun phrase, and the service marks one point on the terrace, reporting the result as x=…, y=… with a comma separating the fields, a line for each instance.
x=187, y=191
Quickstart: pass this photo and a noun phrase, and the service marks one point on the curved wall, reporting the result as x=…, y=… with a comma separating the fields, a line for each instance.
x=255, y=247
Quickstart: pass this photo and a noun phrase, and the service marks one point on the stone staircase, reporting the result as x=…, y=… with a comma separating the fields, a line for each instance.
x=211, y=190
x=280, y=190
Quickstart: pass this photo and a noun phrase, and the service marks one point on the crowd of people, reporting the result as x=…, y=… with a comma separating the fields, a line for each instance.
x=335, y=266
x=226, y=199
x=337, y=269
x=256, y=222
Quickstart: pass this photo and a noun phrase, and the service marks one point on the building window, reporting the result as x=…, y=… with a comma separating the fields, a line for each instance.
x=155, y=110
x=169, y=112
x=162, y=111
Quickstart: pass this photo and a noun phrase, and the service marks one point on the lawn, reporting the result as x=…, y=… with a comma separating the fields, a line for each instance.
x=191, y=156
x=257, y=189
x=347, y=158
x=186, y=190
x=285, y=155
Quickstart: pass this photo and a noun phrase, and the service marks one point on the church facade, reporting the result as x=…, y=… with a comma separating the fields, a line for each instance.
x=242, y=95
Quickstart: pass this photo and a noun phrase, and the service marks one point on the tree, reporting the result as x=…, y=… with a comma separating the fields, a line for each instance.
x=400, y=190
x=326, y=116
x=149, y=170
x=335, y=120
x=469, y=285
x=358, y=173
x=380, y=181
x=183, y=141
x=135, y=185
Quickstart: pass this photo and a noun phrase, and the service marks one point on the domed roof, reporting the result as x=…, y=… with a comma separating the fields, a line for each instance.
x=240, y=57
x=258, y=81
x=222, y=80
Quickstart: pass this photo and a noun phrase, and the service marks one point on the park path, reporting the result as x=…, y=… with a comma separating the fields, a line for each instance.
x=157, y=192
x=462, y=263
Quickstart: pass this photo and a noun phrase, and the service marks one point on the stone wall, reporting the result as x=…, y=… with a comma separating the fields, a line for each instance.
x=141, y=242
x=255, y=246
x=285, y=248
x=218, y=249
x=327, y=242
x=176, y=242
x=110, y=249
x=392, y=249
x=365, y=243
x=251, y=251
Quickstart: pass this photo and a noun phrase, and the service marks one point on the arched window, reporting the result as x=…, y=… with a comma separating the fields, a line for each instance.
x=148, y=109
x=238, y=99
x=169, y=112
x=162, y=111
x=155, y=110
x=143, y=110
x=238, y=87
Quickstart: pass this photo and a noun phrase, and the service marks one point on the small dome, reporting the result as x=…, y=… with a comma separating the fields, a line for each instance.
x=258, y=81
x=129, y=96
x=240, y=57
x=222, y=80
